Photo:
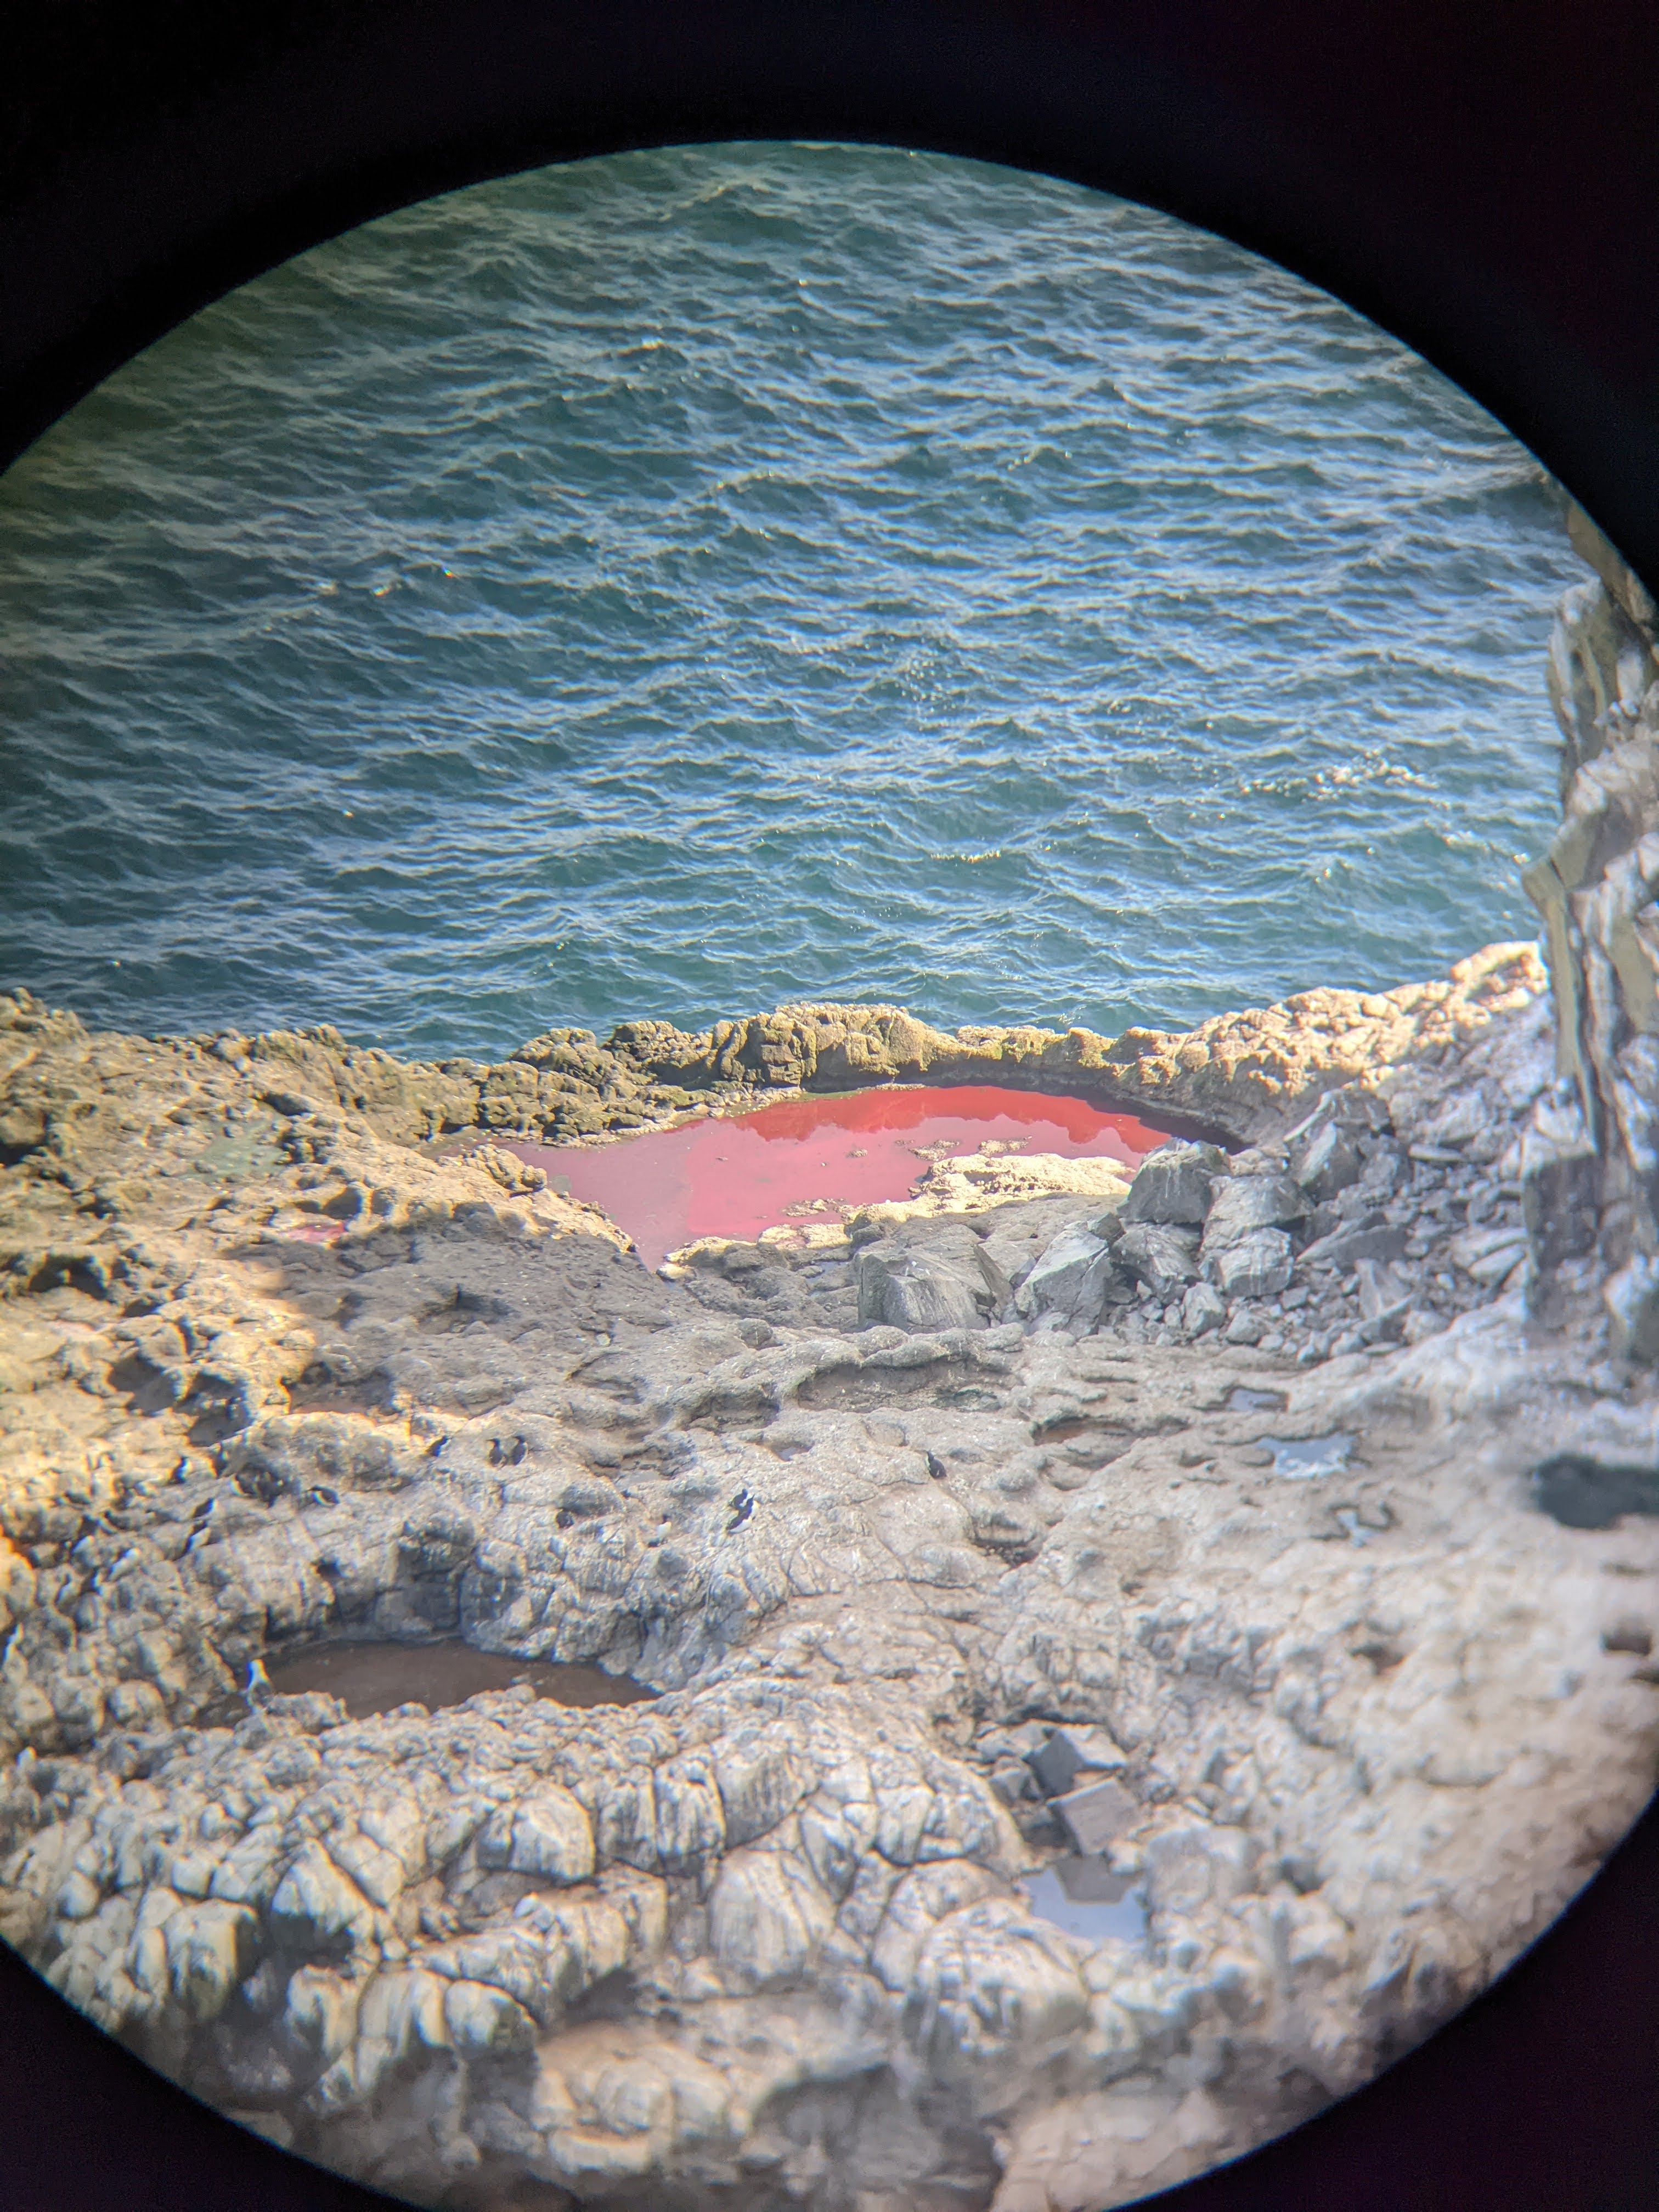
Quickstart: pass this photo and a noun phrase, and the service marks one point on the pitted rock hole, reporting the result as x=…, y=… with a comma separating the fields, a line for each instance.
x=379, y=1677
x=1582, y=1492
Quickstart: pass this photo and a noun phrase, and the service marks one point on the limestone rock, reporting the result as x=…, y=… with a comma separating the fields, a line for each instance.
x=210, y=1948
x=315, y=1908
x=767, y=1918
x=993, y=1990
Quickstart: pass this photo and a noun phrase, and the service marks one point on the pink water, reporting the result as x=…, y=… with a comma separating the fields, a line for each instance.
x=719, y=1177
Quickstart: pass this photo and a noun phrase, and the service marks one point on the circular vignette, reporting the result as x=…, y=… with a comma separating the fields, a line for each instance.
x=1507, y=295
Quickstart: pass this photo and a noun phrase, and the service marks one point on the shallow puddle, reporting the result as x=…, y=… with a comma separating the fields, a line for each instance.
x=1301, y=1459
x=377, y=1677
x=1086, y=1899
x=819, y=1160
x=1242, y=1400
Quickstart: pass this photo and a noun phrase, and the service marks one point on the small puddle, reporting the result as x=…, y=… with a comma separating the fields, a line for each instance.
x=819, y=1160
x=1086, y=1899
x=1242, y=1400
x=1300, y=1459
x=377, y=1677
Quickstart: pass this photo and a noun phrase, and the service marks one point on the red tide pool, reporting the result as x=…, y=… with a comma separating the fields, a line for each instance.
x=818, y=1158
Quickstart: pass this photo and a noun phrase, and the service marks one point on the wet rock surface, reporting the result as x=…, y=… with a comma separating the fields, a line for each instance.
x=1186, y=1546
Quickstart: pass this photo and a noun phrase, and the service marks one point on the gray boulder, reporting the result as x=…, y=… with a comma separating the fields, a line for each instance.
x=1381, y=1286
x=1070, y=1280
x=1202, y=1310
x=1386, y=1169
x=1163, y=1258
x=918, y=1289
x=1244, y=1204
x=1174, y=1185
x=1324, y=1159
x=1066, y=1753
x=1098, y=1814
x=1256, y=1264
x=1371, y=1239
x=1012, y=1238
x=1384, y=1301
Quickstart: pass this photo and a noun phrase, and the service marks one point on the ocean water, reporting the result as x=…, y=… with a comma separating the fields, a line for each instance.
x=678, y=583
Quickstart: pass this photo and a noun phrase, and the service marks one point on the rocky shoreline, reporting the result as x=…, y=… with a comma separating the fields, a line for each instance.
x=910, y=1520
x=1271, y=1543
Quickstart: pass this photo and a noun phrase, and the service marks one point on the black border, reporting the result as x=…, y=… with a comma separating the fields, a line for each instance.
x=1482, y=179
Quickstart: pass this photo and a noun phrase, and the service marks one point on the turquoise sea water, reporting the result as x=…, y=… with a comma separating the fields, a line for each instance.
x=678, y=583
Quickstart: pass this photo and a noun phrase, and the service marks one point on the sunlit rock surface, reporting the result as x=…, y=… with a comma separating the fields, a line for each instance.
x=1224, y=1479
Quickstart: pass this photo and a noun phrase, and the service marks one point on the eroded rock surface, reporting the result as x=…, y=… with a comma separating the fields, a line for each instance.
x=1592, y=1152
x=1193, y=1527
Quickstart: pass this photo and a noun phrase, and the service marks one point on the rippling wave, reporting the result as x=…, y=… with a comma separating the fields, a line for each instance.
x=677, y=583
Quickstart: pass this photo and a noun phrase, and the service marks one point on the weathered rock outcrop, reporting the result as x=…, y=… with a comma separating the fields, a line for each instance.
x=1179, y=1540
x=1592, y=1155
